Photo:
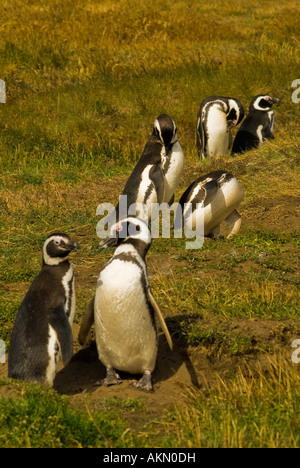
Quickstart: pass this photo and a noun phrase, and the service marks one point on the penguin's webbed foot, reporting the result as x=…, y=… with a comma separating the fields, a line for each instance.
x=145, y=383
x=112, y=378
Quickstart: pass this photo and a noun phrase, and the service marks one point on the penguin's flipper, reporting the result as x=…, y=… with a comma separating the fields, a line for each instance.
x=87, y=322
x=60, y=323
x=210, y=188
x=200, y=138
x=160, y=318
x=158, y=179
x=267, y=133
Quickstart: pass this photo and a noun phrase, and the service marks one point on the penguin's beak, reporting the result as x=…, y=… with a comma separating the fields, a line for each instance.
x=113, y=239
x=275, y=100
x=107, y=242
x=73, y=245
x=231, y=123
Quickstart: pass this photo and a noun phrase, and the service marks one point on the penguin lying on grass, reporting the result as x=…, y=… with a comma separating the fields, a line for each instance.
x=258, y=125
x=42, y=330
x=124, y=310
x=216, y=116
x=221, y=194
x=158, y=171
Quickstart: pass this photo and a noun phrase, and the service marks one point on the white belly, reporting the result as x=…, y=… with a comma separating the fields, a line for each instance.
x=54, y=354
x=259, y=133
x=228, y=198
x=218, y=133
x=174, y=172
x=218, y=144
x=125, y=335
x=68, y=282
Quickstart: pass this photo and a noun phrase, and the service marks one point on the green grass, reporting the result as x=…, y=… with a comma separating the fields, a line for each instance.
x=85, y=82
x=43, y=419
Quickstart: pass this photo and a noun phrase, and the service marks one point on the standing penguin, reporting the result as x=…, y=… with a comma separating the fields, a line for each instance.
x=42, y=329
x=124, y=309
x=221, y=194
x=158, y=171
x=257, y=126
x=216, y=116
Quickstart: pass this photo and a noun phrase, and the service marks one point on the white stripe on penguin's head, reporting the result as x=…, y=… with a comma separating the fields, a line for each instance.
x=174, y=133
x=158, y=130
x=165, y=129
x=235, y=113
x=131, y=228
x=262, y=103
x=57, y=247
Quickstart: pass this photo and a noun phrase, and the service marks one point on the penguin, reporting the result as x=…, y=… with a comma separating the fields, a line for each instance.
x=157, y=173
x=42, y=332
x=216, y=116
x=221, y=194
x=258, y=125
x=124, y=310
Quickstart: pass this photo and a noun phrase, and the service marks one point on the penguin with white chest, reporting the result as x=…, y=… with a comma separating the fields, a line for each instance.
x=157, y=173
x=216, y=116
x=210, y=200
x=42, y=330
x=258, y=125
x=124, y=309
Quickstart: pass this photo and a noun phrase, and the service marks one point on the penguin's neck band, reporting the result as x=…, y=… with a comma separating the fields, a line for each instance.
x=136, y=245
x=52, y=261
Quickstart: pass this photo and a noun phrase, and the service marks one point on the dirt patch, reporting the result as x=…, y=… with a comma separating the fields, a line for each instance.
x=280, y=214
x=174, y=370
x=178, y=370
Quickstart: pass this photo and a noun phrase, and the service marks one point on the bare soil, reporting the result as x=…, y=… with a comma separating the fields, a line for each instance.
x=280, y=214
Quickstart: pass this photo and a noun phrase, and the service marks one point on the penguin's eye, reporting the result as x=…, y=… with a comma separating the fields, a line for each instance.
x=57, y=242
x=138, y=228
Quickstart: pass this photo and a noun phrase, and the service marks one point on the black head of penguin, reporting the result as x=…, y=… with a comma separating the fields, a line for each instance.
x=234, y=117
x=165, y=129
x=131, y=231
x=57, y=247
x=263, y=102
x=235, y=112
